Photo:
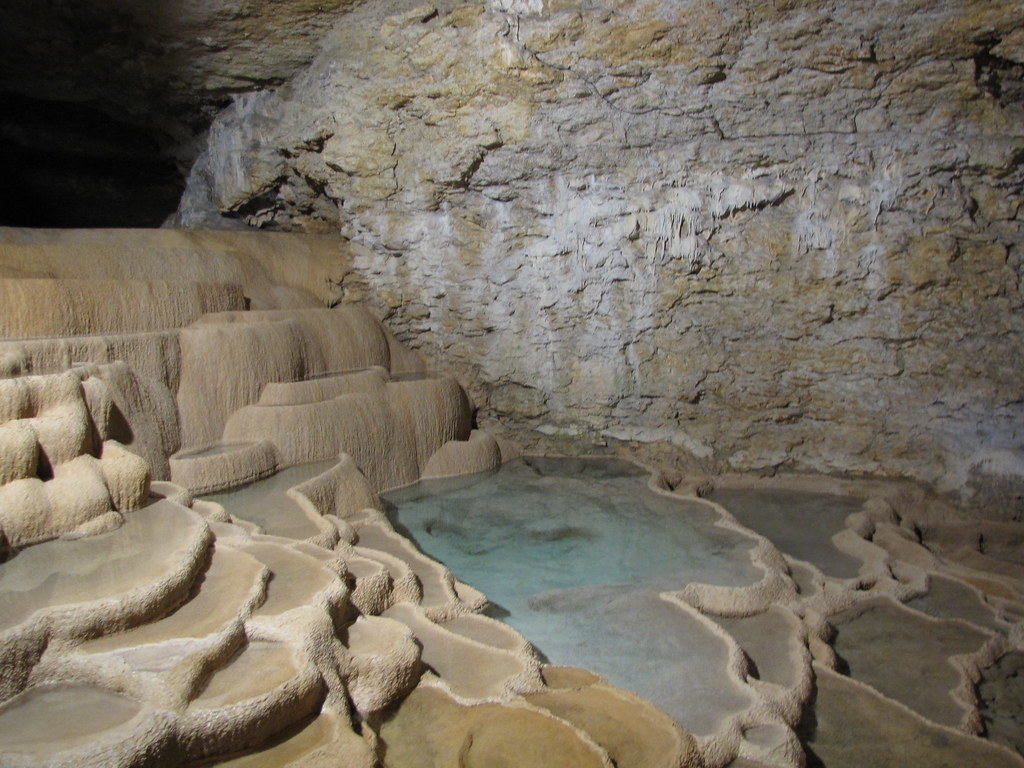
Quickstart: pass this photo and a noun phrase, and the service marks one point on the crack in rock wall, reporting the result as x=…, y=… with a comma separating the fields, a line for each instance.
x=764, y=235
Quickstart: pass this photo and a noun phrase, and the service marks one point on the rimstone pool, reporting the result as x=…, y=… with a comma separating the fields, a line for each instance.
x=576, y=555
x=732, y=614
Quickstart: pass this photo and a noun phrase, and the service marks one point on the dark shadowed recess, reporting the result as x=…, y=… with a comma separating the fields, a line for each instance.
x=69, y=164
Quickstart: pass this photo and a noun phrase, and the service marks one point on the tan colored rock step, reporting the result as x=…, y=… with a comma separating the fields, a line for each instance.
x=906, y=656
x=222, y=465
x=489, y=632
x=770, y=640
x=227, y=591
x=68, y=590
x=39, y=306
x=323, y=387
x=79, y=725
x=258, y=668
x=402, y=582
x=362, y=424
x=326, y=740
x=431, y=730
x=952, y=599
x=165, y=659
x=382, y=664
x=270, y=505
x=773, y=744
x=854, y=726
x=150, y=547
x=471, y=669
x=295, y=580
x=634, y=732
x=436, y=581
x=370, y=584
x=289, y=346
x=264, y=690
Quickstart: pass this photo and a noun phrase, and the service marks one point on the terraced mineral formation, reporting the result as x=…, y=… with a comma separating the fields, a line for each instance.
x=755, y=666
x=155, y=613
x=278, y=624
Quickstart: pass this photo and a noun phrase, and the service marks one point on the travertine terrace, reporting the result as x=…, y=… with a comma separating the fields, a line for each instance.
x=394, y=264
x=143, y=626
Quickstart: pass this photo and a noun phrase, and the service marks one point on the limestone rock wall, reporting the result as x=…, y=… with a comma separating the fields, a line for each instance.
x=769, y=235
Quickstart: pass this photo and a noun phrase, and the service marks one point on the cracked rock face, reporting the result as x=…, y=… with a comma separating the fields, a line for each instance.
x=768, y=235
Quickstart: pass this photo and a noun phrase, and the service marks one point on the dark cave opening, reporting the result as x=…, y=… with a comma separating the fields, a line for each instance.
x=74, y=165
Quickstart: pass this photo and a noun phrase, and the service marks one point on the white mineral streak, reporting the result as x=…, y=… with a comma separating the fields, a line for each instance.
x=779, y=235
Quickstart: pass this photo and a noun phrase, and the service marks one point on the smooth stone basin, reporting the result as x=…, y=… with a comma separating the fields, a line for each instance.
x=767, y=639
x=853, y=727
x=56, y=718
x=949, y=599
x=267, y=504
x=800, y=523
x=258, y=668
x=295, y=578
x=322, y=733
x=906, y=656
x=574, y=553
x=637, y=640
x=295, y=745
x=218, y=596
x=145, y=550
x=428, y=573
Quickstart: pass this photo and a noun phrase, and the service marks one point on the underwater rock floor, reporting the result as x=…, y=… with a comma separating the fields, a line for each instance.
x=576, y=555
x=594, y=567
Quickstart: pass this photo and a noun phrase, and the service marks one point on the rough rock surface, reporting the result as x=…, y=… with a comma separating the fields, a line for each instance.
x=100, y=99
x=769, y=235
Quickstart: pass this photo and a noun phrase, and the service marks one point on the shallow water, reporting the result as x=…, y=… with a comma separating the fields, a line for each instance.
x=851, y=726
x=104, y=566
x=53, y=718
x=573, y=554
x=906, y=656
x=950, y=599
x=800, y=523
x=767, y=639
x=267, y=504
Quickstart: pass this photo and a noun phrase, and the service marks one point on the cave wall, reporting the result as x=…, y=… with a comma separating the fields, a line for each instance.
x=766, y=235
x=103, y=103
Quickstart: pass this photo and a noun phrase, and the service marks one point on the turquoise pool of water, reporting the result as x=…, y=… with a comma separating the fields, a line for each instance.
x=574, y=554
